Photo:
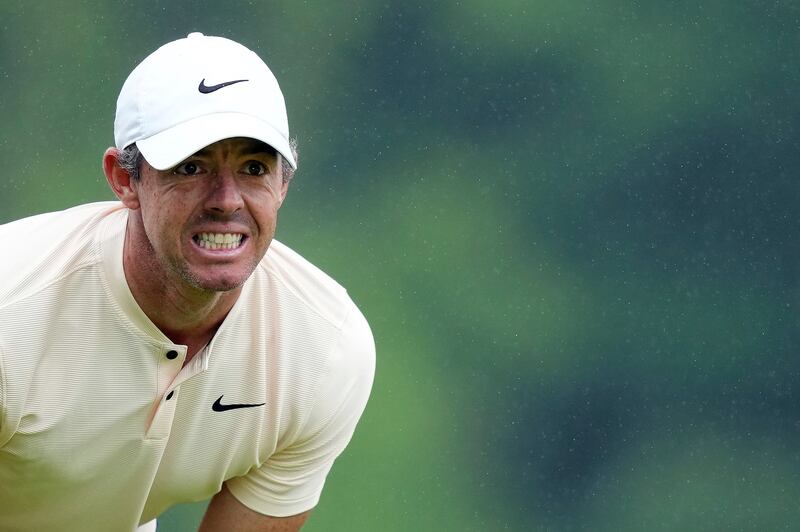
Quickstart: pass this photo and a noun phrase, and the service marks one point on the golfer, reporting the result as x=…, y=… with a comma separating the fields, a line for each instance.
x=163, y=348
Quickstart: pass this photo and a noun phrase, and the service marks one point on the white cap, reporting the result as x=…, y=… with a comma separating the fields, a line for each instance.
x=194, y=92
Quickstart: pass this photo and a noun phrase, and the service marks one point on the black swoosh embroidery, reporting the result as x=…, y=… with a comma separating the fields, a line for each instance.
x=205, y=89
x=219, y=407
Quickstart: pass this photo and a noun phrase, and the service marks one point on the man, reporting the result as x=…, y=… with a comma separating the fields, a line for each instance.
x=163, y=348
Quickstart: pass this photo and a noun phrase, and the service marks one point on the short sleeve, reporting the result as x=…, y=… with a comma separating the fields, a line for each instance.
x=291, y=480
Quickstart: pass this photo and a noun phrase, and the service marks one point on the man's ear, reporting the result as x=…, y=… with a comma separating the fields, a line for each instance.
x=120, y=180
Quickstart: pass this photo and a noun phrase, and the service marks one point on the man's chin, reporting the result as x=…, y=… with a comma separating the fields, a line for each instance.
x=226, y=286
x=225, y=282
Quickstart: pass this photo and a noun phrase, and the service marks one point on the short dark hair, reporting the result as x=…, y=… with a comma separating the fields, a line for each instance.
x=130, y=159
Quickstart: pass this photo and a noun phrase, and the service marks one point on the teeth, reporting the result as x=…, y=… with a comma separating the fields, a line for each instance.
x=219, y=240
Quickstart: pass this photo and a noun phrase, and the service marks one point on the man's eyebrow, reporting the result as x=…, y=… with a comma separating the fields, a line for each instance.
x=200, y=153
x=256, y=147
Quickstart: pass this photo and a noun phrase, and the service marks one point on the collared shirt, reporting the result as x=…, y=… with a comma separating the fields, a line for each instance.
x=102, y=427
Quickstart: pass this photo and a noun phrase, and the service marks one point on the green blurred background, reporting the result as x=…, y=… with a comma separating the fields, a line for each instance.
x=572, y=226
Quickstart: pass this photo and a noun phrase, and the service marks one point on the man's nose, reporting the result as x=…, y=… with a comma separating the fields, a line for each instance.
x=224, y=196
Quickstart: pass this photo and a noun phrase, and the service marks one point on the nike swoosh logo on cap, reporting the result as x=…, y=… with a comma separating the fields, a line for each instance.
x=205, y=89
x=219, y=407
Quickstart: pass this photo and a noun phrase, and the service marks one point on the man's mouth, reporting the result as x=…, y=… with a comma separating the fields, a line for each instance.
x=218, y=240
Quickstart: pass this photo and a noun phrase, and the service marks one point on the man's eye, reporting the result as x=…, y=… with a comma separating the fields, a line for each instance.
x=255, y=168
x=187, y=169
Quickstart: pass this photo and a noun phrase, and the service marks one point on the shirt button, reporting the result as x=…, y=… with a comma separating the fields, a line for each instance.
x=172, y=355
x=169, y=395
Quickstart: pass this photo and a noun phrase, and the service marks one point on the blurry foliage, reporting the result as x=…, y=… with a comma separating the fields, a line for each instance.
x=571, y=225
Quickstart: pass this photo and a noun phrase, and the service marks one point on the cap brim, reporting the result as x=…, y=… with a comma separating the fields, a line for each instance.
x=167, y=148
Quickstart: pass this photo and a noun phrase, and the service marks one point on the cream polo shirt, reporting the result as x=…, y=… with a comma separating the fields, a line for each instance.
x=100, y=426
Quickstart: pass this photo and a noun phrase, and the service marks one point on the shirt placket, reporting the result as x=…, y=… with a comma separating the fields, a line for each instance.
x=170, y=362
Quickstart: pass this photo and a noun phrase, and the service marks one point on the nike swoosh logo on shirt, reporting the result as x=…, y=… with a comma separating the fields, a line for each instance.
x=205, y=89
x=219, y=407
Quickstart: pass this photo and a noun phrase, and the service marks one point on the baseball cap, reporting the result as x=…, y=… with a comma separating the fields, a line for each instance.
x=195, y=91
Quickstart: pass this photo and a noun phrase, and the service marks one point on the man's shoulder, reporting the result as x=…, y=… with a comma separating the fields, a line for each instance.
x=307, y=283
x=48, y=246
x=57, y=219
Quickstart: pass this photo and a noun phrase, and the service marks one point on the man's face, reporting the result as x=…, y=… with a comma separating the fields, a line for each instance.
x=209, y=220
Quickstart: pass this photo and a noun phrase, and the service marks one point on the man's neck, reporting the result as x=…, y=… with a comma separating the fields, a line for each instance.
x=186, y=315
